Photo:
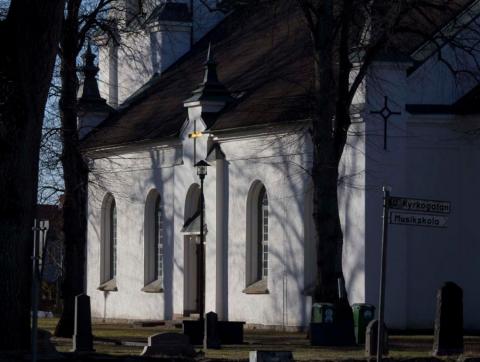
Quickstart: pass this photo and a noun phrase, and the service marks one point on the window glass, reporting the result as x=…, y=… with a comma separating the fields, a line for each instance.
x=158, y=242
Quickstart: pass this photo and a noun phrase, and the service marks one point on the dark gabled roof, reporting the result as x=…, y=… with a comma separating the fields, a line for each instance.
x=425, y=22
x=264, y=60
x=468, y=104
x=431, y=30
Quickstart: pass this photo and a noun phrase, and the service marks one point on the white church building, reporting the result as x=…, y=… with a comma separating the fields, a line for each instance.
x=243, y=108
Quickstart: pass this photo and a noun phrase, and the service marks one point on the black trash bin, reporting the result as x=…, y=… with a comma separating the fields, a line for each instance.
x=322, y=328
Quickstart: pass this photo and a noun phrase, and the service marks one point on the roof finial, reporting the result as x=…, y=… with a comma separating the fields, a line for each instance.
x=209, y=52
x=90, y=87
x=210, y=75
x=88, y=61
x=211, y=88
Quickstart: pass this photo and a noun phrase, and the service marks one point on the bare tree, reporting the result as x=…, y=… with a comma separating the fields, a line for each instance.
x=82, y=20
x=78, y=22
x=29, y=35
x=340, y=31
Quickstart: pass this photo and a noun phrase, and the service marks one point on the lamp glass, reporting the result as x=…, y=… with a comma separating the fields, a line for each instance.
x=201, y=170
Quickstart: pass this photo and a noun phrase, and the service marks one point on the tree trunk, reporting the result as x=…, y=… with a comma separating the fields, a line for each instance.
x=329, y=26
x=75, y=175
x=325, y=155
x=29, y=38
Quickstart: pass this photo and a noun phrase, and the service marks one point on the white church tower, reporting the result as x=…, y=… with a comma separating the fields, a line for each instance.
x=150, y=36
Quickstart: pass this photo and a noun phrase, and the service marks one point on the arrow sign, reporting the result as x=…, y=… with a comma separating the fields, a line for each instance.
x=429, y=220
x=419, y=205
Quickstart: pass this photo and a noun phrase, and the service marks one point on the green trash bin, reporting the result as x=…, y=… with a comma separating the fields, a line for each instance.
x=362, y=315
x=323, y=313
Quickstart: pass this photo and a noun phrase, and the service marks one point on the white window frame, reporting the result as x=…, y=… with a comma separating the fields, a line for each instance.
x=257, y=237
x=108, y=242
x=154, y=243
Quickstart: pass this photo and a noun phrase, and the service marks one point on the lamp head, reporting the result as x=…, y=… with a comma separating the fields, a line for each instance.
x=201, y=168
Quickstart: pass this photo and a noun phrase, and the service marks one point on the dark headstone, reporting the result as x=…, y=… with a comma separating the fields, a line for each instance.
x=82, y=337
x=344, y=324
x=168, y=344
x=230, y=332
x=448, y=334
x=371, y=339
x=271, y=356
x=322, y=334
x=213, y=338
x=45, y=347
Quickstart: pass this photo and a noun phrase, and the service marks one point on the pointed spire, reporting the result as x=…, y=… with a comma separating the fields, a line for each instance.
x=90, y=90
x=211, y=88
x=210, y=68
x=209, y=53
x=92, y=109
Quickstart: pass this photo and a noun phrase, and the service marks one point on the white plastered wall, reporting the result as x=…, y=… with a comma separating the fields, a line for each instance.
x=129, y=177
x=277, y=162
x=429, y=157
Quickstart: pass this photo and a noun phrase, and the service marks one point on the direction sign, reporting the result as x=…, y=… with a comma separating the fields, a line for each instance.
x=429, y=220
x=419, y=205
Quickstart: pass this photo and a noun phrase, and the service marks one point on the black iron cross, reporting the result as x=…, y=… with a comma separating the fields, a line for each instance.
x=385, y=112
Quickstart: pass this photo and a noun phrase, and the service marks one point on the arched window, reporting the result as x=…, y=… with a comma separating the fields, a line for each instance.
x=158, y=241
x=113, y=239
x=257, y=252
x=154, y=243
x=108, y=262
x=262, y=229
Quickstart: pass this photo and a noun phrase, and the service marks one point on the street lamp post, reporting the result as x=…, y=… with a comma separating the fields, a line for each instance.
x=201, y=167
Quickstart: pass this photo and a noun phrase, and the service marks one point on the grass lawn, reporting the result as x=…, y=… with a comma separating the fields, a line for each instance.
x=110, y=336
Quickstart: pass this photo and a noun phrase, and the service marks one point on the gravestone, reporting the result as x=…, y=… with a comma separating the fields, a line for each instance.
x=45, y=347
x=168, y=344
x=344, y=324
x=271, y=356
x=448, y=334
x=371, y=339
x=230, y=332
x=82, y=333
x=213, y=338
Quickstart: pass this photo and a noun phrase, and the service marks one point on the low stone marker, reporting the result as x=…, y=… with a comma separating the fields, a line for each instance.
x=82, y=334
x=448, y=334
x=168, y=344
x=213, y=338
x=45, y=347
x=271, y=356
x=371, y=339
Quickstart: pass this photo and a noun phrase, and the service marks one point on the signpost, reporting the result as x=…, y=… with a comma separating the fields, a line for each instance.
x=409, y=212
x=419, y=205
x=40, y=228
x=435, y=221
